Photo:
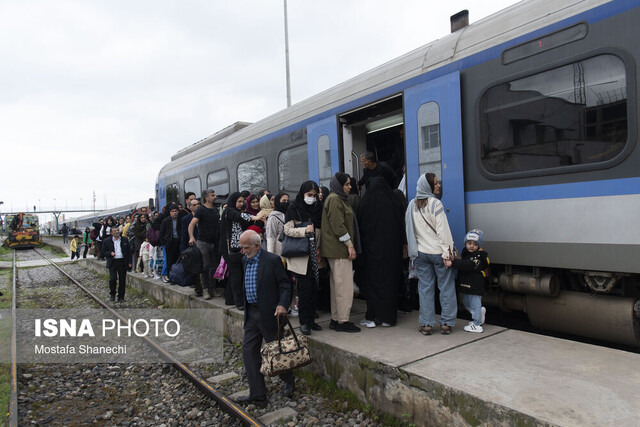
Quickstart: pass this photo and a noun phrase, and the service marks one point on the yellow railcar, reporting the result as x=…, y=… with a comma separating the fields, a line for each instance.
x=23, y=231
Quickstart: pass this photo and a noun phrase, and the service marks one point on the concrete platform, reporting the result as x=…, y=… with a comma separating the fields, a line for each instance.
x=499, y=377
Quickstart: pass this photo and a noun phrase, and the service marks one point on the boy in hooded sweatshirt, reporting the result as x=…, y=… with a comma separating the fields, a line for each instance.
x=472, y=271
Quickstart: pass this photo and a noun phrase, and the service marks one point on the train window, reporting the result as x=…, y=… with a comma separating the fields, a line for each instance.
x=430, y=157
x=218, y=181
x=252, y=175
x=324, y=160
x=561, y=118
x=193, y=185
x=172, y=193
x=293, y=168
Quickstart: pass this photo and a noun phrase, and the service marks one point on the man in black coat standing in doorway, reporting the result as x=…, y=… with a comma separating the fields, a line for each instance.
x=267, y=293
x=118, y=254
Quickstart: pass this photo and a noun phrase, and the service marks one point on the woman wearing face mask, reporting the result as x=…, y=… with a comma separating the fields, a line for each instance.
x=305, y=208
x=232, y=223
x=337, y=244
x=275, y=223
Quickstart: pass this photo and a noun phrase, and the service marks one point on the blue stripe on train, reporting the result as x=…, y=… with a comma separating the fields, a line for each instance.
x=610, y=187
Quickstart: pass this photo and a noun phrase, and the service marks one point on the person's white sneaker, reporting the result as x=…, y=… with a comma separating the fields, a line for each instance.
x=293, y=312
x=484, y=312
x=473, y=328
x=386, y=325
x=368, y=323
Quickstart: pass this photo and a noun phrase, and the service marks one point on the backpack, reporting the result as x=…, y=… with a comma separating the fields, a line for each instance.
x=191, y=259
x=179, y=276
x=153, y=236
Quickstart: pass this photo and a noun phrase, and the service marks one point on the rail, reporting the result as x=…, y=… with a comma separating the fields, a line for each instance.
x=13, y=400
x=225, y=403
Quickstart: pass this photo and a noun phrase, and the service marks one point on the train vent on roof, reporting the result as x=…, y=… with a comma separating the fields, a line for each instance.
x=459, y=20
x=221, y=134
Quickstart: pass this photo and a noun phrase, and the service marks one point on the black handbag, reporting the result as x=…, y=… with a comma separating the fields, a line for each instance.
x=295, y=246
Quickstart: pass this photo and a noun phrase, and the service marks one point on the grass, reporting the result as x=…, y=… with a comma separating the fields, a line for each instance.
x=6, y=253
x=5, y=393
x=56, y=251
x=345, y=399
x=5, y=341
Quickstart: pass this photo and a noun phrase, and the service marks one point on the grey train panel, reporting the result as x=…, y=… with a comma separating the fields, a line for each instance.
x=269, y=150
x=592, y=257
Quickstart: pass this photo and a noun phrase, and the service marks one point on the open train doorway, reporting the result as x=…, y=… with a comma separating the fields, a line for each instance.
x=378, y=129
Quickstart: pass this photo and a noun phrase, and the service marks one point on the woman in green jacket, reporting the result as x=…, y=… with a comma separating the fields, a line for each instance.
x=338, y=235
x=86, y=241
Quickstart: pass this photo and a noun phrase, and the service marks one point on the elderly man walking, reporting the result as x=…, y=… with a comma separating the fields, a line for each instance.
x=267, y=293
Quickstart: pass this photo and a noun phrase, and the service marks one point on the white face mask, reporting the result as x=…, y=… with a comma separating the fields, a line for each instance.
x=309, y=200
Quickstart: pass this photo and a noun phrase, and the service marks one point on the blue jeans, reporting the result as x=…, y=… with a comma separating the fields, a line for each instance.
x=164, y=261
x=428, y=267
x=473, y=303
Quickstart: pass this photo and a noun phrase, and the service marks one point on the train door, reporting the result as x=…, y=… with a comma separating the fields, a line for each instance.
x=377, y=128
x=322, y=146
x=434, y=143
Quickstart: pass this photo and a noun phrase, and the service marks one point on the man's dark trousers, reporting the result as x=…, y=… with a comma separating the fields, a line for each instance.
x=251, y=343
x=117, y=271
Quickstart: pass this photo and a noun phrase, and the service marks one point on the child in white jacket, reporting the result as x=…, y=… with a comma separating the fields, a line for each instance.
x=146, y=249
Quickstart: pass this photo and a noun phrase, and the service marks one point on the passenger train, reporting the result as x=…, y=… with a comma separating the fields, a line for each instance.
x=529, y=118
x=88, y=220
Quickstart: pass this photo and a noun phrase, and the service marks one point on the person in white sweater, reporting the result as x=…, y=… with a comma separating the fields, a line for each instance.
x=275, y=224
x=429, y=244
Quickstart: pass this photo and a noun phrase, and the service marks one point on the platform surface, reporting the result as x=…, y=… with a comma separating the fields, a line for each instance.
x=553, y=380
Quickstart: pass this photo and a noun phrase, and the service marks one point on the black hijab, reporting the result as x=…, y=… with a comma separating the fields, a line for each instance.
x=325, y=193
x=233, y=198
x=300, y=211
x=278, y=205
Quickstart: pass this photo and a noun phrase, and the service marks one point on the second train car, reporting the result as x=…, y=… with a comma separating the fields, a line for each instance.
x=528, y=117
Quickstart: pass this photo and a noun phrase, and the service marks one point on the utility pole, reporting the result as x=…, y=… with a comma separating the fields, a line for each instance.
x=286, y=54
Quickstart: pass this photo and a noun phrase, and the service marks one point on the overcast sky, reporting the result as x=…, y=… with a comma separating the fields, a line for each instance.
x=97, y=95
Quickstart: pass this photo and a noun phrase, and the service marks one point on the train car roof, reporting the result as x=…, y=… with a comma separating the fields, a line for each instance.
x=106, y=213
x=507, y=24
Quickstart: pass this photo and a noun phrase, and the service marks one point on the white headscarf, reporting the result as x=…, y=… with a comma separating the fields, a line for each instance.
x=423, y=191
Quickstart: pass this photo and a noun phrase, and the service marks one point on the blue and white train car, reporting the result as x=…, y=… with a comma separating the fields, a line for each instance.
x=529, y=118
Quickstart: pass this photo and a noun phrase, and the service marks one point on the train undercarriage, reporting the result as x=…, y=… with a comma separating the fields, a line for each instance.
x=599, y=305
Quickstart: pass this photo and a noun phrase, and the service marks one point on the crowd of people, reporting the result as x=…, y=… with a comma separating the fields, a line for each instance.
x=355, y=236
x=363, y=235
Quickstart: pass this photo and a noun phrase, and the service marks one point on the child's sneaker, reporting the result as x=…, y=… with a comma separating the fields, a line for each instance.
x=484, y=312
x=471, y=327
x=293, y=312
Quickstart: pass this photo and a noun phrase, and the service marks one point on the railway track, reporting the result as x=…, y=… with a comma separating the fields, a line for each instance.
x=207, y=390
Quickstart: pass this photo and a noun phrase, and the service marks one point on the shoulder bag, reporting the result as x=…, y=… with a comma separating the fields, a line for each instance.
x=284, y=354
x=453, y=253
x=295, y=246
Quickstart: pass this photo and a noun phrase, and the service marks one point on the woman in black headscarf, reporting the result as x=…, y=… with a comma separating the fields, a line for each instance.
x=381, y=223
x=232, y=223
x=305, y=208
